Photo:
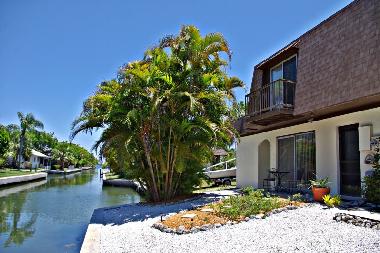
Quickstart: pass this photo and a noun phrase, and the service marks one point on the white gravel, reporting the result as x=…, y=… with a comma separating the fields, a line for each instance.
x=308, y=229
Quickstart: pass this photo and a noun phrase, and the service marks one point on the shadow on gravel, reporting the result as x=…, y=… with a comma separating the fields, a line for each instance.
x=118, y=215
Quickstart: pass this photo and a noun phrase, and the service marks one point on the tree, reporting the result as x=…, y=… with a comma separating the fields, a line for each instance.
x=4, y=141
x=66, y=152
x=42, y=141
x=27, y=123
x=4, y=144
x=163, y=115
x=62, y=153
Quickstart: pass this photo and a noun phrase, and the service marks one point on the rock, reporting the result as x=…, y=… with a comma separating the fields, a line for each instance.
x=252, y=217
x=260, y=216
x=229, y=222
x=181, y=230
x=168, y=230
x=338, y=218
x=246, y=219
x=205, y=227
x=217, y=225
x=194, y=229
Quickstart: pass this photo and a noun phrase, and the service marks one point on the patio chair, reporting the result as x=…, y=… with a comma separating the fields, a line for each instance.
x=291, y=186
x=267, y=182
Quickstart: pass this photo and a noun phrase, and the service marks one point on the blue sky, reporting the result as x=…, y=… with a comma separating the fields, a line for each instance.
x=53, y=53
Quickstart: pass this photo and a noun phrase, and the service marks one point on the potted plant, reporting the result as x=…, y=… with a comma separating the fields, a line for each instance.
x=319, y=188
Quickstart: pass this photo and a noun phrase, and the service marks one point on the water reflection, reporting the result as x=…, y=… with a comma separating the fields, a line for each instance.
x=17, y=230
x=52, y=215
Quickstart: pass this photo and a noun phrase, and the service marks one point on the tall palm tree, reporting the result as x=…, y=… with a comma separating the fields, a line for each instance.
x=163, y=115
x=27, y=123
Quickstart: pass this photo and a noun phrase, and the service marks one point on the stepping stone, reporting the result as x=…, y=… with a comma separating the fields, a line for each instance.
x=189, y=215
x=207, y=210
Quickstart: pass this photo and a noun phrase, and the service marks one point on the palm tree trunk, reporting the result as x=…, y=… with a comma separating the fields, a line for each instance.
x=150, y=167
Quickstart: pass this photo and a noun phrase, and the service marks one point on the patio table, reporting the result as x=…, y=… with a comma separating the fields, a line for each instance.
x=279, y=175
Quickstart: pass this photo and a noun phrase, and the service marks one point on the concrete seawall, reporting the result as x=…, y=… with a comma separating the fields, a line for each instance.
x=121, y=182
x=22, y=178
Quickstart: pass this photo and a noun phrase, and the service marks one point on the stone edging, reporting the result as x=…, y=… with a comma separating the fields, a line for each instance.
x=181, y=229
x=357, y=220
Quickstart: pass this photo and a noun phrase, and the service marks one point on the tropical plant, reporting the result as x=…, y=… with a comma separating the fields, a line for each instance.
x=371, y=189
x=27, y=123
x=163, y=115
x=42, y=141
x=320, y=183
x=332, y=201
x=62, y=153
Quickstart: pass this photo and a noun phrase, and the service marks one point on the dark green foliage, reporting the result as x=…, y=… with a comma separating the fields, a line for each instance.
x=372, y=187
x=4, y=141
x=371, y=190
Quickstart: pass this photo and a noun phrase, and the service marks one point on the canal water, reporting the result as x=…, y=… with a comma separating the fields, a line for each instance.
x=52, y=215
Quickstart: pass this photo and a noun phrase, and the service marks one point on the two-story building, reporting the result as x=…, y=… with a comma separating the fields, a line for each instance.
x=314, y=105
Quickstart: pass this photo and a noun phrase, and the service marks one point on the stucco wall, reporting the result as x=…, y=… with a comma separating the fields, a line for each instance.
x=326, y=137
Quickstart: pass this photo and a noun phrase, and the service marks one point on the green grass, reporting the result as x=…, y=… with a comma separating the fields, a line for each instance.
x=13, y=172
x=207, y=187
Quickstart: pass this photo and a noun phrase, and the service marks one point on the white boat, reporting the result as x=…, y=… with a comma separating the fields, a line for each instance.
x=221, y=173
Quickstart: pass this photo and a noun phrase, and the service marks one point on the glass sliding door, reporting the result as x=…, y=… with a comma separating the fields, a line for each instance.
x=285, y=155
x=296, y=155
x=305, y=157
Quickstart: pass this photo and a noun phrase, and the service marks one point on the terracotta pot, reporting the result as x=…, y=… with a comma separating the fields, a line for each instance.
x=318, y=193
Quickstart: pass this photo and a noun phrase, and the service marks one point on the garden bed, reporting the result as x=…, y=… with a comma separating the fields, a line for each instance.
x=252, y=205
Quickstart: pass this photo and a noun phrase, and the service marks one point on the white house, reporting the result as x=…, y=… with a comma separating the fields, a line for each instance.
x=39, y=160
x=315, y=104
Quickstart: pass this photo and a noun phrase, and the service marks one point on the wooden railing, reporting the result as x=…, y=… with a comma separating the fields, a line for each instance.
x=274, y=96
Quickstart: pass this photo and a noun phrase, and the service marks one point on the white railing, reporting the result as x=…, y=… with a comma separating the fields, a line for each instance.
x=224, y=164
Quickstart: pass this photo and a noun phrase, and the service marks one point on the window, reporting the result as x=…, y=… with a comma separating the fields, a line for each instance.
x=285, y=70
x=296, y=155
x=282, y=94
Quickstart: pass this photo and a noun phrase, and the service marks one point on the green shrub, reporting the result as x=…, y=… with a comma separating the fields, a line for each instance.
x=297, y=197
x=56, y=166
x=255, y=202
x=247, y=190
x=372, y=187
x=332, y=201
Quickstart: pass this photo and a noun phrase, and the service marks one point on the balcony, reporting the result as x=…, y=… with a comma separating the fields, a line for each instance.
x=271, y=103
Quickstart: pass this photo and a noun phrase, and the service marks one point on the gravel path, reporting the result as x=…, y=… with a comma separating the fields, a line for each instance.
x=308, y=229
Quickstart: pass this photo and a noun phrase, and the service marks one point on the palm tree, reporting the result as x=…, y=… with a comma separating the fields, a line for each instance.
x=27, y=123
x=163, y=115
x=63, y=152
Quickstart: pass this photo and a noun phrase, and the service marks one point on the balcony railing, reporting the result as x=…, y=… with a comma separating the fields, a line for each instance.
x=278, y=95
